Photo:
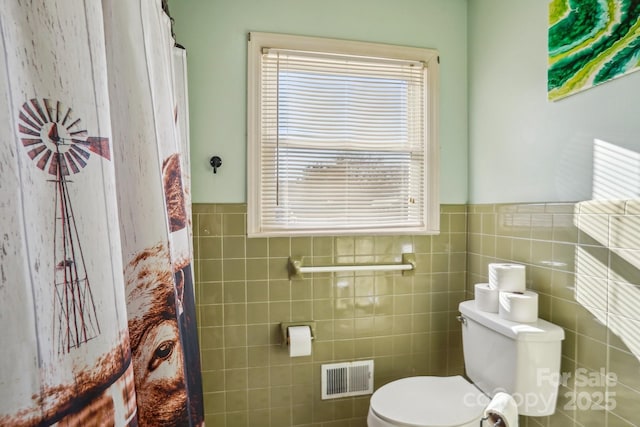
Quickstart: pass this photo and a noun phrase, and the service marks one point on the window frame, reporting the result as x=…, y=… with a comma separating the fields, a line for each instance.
x=430, y=57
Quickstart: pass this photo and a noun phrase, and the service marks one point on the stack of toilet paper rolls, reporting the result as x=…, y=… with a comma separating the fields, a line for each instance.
x=506, y=294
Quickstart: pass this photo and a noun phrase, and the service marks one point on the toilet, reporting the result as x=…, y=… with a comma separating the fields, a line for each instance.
x=521, y=359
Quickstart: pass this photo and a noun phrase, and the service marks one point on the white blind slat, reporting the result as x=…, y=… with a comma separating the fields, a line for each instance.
x=342, y=141
x=321, y=103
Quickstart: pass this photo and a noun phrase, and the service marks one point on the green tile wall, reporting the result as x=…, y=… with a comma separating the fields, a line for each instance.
x=584, y=261
x=406, y=324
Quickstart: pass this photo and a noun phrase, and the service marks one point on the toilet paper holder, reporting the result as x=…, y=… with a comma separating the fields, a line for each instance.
x=284, y=330
x=494, y=420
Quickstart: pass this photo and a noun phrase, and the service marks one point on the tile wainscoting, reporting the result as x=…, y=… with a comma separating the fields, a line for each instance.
x=406, y=324
x=583, y=259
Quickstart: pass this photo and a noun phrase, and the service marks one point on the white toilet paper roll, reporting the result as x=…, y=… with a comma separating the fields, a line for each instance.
x=299, y=341
x=504, y=407
x=518, y=306
x=486, y=298
x=507, y=277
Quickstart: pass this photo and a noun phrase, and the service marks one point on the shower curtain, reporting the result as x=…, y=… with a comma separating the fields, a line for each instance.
x=98, y=318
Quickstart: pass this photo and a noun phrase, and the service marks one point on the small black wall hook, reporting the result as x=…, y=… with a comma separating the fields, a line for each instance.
x=215, y=163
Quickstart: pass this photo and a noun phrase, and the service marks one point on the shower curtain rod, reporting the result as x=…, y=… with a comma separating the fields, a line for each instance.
x=407, y=267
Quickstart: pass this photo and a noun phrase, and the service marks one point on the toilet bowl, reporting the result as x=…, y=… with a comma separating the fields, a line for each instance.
x=427, y=402
x=500, y=356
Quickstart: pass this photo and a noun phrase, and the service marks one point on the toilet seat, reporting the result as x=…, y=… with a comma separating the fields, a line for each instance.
x=428, y=402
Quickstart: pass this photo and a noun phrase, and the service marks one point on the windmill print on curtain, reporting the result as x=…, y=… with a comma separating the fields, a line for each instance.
x=591, y=42
x=98, y=319
x=65, y=356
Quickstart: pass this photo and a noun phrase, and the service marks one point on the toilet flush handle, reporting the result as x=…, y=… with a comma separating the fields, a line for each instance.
x=462, y=319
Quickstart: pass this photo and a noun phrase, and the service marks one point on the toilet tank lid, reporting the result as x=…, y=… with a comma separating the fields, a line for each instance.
x=540, y=330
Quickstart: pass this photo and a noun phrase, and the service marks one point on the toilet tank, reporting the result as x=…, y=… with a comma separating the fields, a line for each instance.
x=522, y=359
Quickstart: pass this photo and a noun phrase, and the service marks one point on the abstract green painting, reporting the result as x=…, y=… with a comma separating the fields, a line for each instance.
x=591, y=42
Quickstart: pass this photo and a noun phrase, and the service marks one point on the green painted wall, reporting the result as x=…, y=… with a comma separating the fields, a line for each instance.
x=215, y=33
x=522, y=147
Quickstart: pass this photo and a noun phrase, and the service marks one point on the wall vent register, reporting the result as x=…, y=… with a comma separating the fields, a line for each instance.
x=347, y=379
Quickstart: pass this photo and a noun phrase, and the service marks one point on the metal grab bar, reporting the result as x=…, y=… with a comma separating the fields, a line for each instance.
x=296, y=269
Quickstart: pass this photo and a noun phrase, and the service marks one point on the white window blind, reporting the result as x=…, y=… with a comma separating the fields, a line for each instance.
x=342, y=144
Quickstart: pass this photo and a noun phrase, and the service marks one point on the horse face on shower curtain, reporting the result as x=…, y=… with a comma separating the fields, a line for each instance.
x=158, y=360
